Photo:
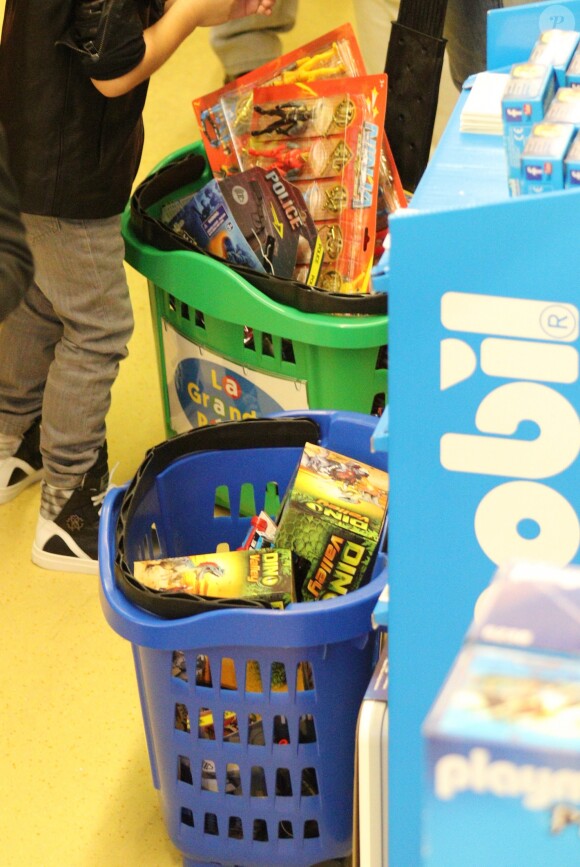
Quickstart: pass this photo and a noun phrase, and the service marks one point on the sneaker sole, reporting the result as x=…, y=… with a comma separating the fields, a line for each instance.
x=76, y=561
x=12, y=491
x=64, y=563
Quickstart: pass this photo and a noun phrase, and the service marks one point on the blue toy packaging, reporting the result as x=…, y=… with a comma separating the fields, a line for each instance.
x=572, y=77
x=542, y=162
x=503, y=737
x=532, y=606
x=556, y=48
x=565, y=107
x=527, y=95
x=572, y=164
x=254, y=218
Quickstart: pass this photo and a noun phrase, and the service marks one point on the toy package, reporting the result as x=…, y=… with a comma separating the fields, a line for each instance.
x=503, y=762
x=527, y=95
x=265, y=575
x=542, y=162
x=530, y=605
x=331, y=517
x=572, y=75
x=556, y=48
x=565, y=107
x=261, y=534
x=254, y=218
x=503, y=737
x=224, y=117
x=326, y=137
x=572, y=164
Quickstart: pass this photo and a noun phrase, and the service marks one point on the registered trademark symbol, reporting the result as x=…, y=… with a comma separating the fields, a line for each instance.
x=559, y=322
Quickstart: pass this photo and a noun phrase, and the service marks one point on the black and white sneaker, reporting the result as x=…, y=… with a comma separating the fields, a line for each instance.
x=24, y=467
x=67, y=532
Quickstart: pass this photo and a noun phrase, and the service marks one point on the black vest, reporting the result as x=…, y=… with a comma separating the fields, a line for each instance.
x=74, y=153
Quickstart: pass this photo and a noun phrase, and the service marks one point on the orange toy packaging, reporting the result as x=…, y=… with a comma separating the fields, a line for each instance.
x=225, y=116
x=332, y=131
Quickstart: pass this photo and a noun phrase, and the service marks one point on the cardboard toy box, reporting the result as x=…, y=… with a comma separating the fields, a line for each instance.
x=503, y=762
x=503, y=737
x=543, y=157
x=264, y=574
x=565, y=107
x=530, y=605
x=556, y=48
x=572, y=74
x=572, y=164
x=527, y=95
x=331, y=517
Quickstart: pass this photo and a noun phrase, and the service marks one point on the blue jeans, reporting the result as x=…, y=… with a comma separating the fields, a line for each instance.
x=60, y=349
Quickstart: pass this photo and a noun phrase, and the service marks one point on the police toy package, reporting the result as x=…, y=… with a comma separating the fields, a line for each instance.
x=225, y=117
x=254, y=218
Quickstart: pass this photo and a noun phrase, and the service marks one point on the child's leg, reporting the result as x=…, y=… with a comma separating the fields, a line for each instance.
x=246, y=43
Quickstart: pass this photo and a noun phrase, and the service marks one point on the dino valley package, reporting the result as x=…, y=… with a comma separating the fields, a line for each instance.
x=264, y=575
x=332, y=517
x=255, y=218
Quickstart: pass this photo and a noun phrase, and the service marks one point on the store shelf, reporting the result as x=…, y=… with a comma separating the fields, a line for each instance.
x=464, y=246
x=465, y=171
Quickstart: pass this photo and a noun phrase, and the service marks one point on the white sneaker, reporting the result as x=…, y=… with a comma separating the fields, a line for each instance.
x=68, y=542
x=23, y=468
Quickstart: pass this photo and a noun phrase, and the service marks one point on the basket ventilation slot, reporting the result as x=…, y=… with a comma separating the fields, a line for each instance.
x=247, y=506
x=182, y=718
x=178, y=665
x=184, y=770
x=186, y=817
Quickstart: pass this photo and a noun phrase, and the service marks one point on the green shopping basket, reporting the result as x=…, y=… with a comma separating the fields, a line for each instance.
x=228, y=350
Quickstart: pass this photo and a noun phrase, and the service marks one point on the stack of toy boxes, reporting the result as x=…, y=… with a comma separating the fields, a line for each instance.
x=503, y=737
x=540, y=114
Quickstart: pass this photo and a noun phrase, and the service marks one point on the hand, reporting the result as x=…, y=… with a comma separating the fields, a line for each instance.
x=212, y=12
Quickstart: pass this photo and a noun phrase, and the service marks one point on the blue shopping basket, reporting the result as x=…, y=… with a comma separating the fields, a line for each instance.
x=254, y=769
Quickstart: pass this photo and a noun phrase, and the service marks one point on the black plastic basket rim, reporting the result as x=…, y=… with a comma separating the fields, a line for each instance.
x=247, y=434
x=188, y=169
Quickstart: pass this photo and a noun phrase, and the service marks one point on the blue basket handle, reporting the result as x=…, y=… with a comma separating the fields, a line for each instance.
x=299, y=625
x=247, y=434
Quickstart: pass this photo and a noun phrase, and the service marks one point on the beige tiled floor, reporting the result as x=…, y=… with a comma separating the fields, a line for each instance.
x=75, y=787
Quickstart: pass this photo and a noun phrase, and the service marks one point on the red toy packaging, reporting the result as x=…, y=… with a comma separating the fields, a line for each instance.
x=225, y=117
x=226, y=113
x=327, y=136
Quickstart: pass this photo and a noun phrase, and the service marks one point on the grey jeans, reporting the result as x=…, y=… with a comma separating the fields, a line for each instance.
x=60, y=349
x=465, y=29
x=245, y=43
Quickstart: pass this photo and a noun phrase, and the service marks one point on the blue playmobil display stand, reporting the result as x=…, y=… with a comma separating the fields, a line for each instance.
x=484, y=434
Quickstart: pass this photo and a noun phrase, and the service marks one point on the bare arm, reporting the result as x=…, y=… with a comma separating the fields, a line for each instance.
x=166, y=35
